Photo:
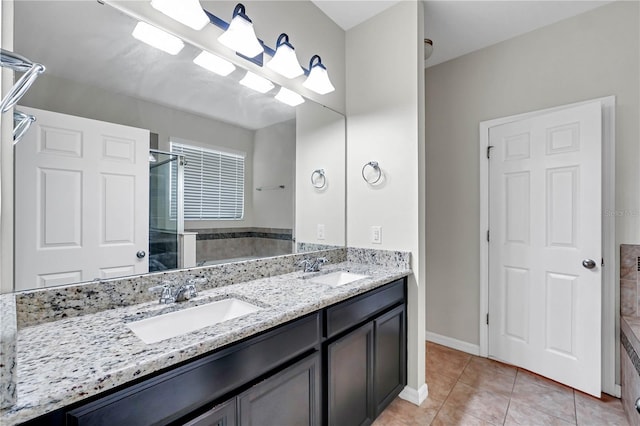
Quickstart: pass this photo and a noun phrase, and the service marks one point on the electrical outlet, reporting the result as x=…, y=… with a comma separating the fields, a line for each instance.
x=376, y=234
x=320, y=231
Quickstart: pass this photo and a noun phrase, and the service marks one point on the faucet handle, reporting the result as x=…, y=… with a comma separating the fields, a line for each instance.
x=322, y=260
x=190, y=289
x=167, y=292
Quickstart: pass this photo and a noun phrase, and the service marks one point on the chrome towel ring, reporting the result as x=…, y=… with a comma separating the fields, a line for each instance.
x=318, y=179
x=23, y=122
x=376, y=168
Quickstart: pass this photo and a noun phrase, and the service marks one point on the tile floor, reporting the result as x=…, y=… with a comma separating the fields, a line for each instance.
x=469, y=390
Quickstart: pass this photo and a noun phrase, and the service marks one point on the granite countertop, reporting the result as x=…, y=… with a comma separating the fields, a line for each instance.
x=64, y=361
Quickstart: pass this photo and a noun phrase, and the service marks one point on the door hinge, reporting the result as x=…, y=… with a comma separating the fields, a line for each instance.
x=489, y=151
x=487, y=319
x=602, y=262
x=488, y=236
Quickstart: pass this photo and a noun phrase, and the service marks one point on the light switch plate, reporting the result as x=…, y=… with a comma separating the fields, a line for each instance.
x=320, y=231
x=376, y=234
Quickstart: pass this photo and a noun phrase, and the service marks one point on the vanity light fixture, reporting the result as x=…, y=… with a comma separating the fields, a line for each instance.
x=157, y=38
x=318, y=80
x=285, y=62
x=240, y=35
x=187, y=12
x=257, y=83
x=214, y=63
x=288, y=97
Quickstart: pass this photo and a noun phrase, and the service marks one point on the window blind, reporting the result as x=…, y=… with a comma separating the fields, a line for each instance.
x=213, y=183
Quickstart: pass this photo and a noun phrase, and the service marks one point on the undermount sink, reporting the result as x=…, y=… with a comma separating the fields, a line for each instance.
x=166, y=326
x=338, y=278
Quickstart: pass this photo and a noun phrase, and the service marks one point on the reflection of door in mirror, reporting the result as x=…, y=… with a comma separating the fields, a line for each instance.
x=79, y=186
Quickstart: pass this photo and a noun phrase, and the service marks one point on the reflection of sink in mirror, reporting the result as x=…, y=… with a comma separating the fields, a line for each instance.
x=166, y=326
x=339, y=278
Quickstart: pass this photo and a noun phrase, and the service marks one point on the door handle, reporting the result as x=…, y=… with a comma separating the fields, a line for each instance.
x=589, y=263
x=141, y=254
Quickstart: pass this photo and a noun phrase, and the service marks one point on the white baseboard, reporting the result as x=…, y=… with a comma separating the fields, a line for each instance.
x=617, y=391
x=453, y=343
x=414, y=396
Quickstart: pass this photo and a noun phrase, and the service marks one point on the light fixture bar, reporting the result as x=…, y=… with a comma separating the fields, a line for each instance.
x=157, y=38
x=289, y=97
x=187, y=12
x=317, y=81
x=257, y=83
x=214, y=63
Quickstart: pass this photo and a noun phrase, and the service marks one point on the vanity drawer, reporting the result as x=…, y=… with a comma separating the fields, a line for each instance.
x=173, y=394
x=357, y=309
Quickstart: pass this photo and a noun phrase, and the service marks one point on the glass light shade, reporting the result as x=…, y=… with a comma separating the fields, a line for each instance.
x=157, y=38
x=285, y=61
x=214, y=63
x=187, y=12
x=288, y=97
x=257, y=83
x=241, y=37
x=318, y=80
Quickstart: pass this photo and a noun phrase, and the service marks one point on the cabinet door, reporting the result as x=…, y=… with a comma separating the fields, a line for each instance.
x=390, y=354
x=290, y=398
x=220, y=415
x=350, y=372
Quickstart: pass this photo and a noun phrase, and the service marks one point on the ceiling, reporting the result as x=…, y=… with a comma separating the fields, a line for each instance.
x=461, y=27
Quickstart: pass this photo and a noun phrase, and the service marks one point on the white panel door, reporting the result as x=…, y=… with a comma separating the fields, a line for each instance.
x=82, y=199
x=545, y=220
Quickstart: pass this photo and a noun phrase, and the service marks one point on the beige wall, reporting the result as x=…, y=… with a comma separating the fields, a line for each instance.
x=385, y=71
x=592, y=55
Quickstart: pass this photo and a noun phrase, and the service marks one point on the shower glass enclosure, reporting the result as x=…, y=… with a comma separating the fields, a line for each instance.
x=166, y=174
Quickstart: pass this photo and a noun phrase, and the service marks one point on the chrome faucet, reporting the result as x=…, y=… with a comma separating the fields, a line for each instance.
x=185, y=292
x=312, y=265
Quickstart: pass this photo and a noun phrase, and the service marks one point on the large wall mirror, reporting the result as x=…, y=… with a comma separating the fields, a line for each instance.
x=142, y=161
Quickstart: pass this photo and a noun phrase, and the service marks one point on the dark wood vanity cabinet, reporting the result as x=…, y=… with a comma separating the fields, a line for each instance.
x=220, y=415
x=290, y=398
x=339, y=366
x=350, y=378
x=366, y=366
x=390, y=357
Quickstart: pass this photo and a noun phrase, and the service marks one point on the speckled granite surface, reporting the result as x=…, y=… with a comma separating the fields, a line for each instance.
x=60, y=362
x=393, y=259
x=40, y=306
x=8, y=332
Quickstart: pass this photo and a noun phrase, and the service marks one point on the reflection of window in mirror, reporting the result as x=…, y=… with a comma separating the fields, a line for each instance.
x=213, y=183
